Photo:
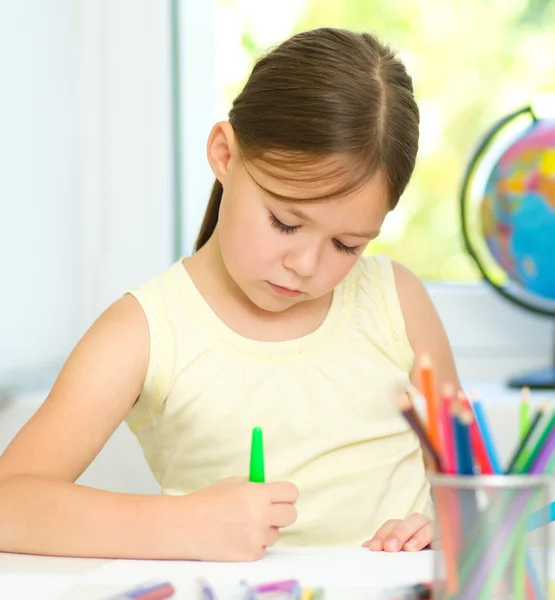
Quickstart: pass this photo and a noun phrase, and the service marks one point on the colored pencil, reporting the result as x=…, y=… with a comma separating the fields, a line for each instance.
x=546, y=452
x=257, y=457
x=477, y=441
x=407, y=410
x=529, y=465
x=427, y=382
x=524, y=412
x=446, y=501
x=462, y=439
x=447, y=452
x=527, y=436
x=486, y=436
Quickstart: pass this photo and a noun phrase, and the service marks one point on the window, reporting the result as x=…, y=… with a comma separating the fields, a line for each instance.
x=471, y=62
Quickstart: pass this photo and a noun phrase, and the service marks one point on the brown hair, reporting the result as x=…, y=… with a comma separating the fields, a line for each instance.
x=321, y=93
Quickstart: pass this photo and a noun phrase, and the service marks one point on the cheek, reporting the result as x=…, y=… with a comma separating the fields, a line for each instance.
x=335, y=267
x=247, y=240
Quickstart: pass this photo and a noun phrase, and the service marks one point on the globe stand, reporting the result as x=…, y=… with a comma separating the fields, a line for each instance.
x=538, y=380
x=535, y=139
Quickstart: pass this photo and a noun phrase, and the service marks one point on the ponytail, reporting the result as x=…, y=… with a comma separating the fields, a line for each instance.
x=210, y=216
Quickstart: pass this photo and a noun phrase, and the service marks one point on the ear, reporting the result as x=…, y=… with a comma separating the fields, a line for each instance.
x=221, y=148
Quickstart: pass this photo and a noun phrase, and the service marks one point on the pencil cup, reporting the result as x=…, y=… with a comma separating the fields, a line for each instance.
x=486, y=546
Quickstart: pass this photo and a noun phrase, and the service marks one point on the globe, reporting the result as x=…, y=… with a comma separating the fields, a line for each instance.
x=508, y=214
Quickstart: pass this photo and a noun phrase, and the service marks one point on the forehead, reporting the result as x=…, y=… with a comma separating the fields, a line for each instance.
x=320, y=184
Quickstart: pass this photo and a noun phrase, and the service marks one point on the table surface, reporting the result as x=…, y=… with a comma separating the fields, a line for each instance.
x=345, y=573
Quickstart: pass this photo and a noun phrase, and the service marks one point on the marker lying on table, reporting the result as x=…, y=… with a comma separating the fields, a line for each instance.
x=287, y=585
x=257, y=457
x=420, y=591
x=207, y=593
x=158, y=591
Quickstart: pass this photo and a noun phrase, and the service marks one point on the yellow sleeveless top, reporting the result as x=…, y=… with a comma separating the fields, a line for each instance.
x=325, y=402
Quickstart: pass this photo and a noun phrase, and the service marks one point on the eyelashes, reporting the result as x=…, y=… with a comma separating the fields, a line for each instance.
x=352, y=250
x=282, y=226
x=289, y=229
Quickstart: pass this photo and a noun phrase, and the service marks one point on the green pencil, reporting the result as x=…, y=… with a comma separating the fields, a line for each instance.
x=257, y=457
x=525, y=418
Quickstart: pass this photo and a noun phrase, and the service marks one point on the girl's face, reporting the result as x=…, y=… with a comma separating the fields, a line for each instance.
x=282, y=253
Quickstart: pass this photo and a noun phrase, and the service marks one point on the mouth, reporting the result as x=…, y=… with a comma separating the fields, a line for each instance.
x=284, y=291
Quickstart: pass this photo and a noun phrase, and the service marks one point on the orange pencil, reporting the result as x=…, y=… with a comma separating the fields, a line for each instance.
x=427, y=381
x=446, y=502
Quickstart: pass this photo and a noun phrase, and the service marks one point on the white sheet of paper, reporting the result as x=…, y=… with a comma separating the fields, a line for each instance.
x=350, y=573
x=344, y=573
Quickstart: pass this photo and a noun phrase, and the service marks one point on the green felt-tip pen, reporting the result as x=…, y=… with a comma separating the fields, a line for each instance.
x=257, y=456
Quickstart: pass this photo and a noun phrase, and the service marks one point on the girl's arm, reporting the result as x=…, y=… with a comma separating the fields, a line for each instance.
x=425, y=333
x=424, y=328
x=43, y=511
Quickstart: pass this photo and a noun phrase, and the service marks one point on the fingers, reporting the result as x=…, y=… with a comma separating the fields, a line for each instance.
x=282, y=491
x=404, y=532
x=383, y=534
x=422, y=538
x=282, y=515
x=411, y=534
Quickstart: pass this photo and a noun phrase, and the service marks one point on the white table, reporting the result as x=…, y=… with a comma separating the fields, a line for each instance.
x=345, y=573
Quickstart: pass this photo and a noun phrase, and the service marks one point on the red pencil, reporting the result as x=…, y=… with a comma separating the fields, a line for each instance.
x=447, y=453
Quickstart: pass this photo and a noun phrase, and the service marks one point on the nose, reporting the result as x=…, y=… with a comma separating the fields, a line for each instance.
x=302, y=260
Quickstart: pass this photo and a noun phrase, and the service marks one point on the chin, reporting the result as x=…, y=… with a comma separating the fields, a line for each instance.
x=276, y=305
x=266, y=302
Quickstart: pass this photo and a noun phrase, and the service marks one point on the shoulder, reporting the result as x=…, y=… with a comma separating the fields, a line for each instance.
x=409, y=286
x=416, y=305
x=424, y=328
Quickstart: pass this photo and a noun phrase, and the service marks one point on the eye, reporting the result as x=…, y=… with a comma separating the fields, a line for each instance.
x=352, y=250
x=282, y=226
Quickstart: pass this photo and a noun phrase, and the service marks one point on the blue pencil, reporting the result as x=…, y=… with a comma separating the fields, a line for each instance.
x=488, y=440
x=462, y=441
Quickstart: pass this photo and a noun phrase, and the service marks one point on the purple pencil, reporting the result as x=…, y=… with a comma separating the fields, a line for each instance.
x=545, y=454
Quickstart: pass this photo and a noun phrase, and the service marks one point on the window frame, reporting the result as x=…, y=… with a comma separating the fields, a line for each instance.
x=491, y=338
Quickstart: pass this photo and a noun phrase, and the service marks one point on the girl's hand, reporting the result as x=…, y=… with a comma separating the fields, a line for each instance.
x=411, y=535
x=235, y=520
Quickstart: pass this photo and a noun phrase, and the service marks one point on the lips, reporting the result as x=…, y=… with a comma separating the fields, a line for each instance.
x=284, y=291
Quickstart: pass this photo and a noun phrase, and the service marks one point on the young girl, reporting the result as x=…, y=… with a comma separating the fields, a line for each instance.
x=277, y=320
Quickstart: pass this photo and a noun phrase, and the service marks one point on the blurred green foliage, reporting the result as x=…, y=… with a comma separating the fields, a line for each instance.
x=472, y=61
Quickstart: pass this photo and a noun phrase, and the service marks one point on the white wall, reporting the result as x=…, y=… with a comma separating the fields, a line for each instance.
x=86, y=169
x=86, y=190
x=39, y=188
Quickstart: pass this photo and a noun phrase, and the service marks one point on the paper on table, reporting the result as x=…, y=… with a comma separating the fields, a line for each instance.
x=313, y=567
